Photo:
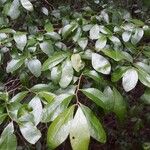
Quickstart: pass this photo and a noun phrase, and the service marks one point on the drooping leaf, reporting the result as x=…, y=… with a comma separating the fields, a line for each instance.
x=60, y=128
x=55, y=107
x=95, y=127
x=79, y=131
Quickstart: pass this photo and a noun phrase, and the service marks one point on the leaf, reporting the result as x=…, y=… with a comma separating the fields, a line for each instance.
x=14, y=11
x=56, y=74
x=60, y=128
x=130, y=79
x=94, y=32
x=83, y=42
x=145, y=97
x=68, y=29
x=67, y=74
x=19, y=97
x=53, y=35
x=41, y=87
x=79, y=132
x=100, y=43
x=115, y=40
x=37, y=109
x=34, y=66
x=55, y=107
x=27, y=5
x=54, y=60
x=14, y=64
x=118, y=73
x=77, y=35
x=8, y=140
x=137, y=36
x=126, y=36
x=144, y=77
x=100, y=64
x=47, y=47
x=48, y=96
x=96, y=96
x=120, y=105
x=77, y=62
x=117, y=55
x=21, y=40
x=30, y=132
x=95, y=127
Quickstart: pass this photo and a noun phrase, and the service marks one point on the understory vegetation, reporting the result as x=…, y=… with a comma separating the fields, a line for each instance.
x=74, y=75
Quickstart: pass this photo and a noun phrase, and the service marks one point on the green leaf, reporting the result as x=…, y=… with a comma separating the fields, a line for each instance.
x=36, y=106
x=144, y=77
x=68, y=29
x=56, y=74
x=55, y=107
x=14, y=11
x=118, y=73
x=47, y=47
x=41, y=87
x=126, y=36
x=100, y=64
x=130, y=79
x=77, y=62
x=19, y=97
x=60, y=128
x=77, y=35
x=8, y=140
x=120, y=105
x=95, y=127
x=94, y=32
x=48, y=96
x=115, y=40
x=96, y=96
x=83, y=42
x=117, y=55
x=54, y=60
x=53, y=35
x=100, y=43
x=34, y=66
x=137, y=36
x=79, y=132
x=67, y=74
x=21, y=40
x=30, y=132
x=14, y=64
x=27, y=5
x=146, y=96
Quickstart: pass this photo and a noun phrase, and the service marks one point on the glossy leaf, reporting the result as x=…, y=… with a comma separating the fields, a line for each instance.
x=95, y=127
x=60, y=128
x=100, y=64
x=79, y=132
x=130, y=79
x=27, y=5
x=35, y=67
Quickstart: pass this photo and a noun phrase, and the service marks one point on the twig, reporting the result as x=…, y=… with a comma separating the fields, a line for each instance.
x=77, y=89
